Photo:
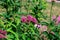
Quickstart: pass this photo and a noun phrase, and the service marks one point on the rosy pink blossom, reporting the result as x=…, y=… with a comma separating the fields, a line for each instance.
x=53, y=17
x=29, y=17
x=34, y=20
x=24, y=19
x=3, y=32
x=58, y=18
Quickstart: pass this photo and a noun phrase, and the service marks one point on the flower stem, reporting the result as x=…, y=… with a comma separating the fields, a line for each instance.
x=51, y=10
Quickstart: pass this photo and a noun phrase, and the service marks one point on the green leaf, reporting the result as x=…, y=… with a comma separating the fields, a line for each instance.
x=16, y=35
x=23, y=36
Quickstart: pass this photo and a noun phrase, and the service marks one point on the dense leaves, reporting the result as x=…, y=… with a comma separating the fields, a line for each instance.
x=25, y=20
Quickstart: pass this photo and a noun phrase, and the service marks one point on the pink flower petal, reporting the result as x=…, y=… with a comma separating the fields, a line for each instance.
x=39, y=26
x=3, y=32
x=34, y=20
x=53, y=17
x=58, y=18
x=24, y=19
x=29, y=17
x=2, y=36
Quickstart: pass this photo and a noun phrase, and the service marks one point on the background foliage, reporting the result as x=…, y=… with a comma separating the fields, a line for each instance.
x=10, y=20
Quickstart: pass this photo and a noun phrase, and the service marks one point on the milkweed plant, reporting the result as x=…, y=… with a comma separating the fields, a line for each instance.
x=22, y=20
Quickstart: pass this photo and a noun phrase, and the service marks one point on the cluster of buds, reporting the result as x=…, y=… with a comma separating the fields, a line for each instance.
x=28, y=18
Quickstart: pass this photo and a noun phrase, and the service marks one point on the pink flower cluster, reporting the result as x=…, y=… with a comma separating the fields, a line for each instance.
x=42, y=27
x=56, y=18
x=3, y=34
x=53, y=17
x=28, y=19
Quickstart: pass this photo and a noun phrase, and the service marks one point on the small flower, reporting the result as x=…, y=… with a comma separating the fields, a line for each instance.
x=24, y=19
x=43, y=28
x=53, y=17
x=29, y=17
x=34, y=20
x=58, y=18
x=39, y=26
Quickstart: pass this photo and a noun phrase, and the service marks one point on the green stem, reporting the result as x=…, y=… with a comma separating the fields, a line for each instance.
x=51, y=11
